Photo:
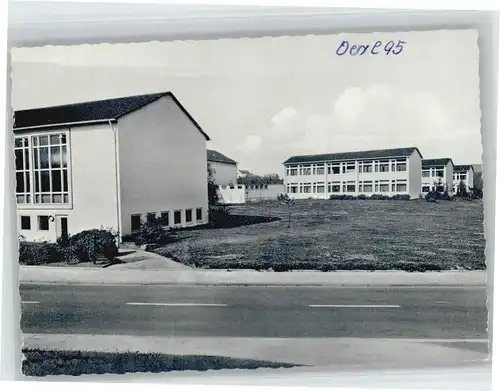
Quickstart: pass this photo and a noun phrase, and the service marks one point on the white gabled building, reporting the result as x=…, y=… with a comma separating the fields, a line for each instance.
x=386, y=172
x=463, y=173
x=109, y=163
x=224, y=169
x=436, y=171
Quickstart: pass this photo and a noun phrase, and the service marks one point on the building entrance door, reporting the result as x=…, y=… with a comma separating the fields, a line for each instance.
x=61, y=225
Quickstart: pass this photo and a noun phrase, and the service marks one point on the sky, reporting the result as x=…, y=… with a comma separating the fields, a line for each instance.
x=262, y=100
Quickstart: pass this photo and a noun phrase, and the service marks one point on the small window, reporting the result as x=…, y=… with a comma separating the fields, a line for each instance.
x=150, y=217
x=177, y=217
x=43, y=223
x=199, y=214
x=26, y=223
x=135, y=222
x=426, y=189
x=189, y=215
x=164, y=218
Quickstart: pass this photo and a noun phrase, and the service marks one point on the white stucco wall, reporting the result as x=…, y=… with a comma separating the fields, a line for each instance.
x=224, y=173
x=232, y=194
x=163, y=163
x=414, y=175
x=92, y=184
x=270, y=193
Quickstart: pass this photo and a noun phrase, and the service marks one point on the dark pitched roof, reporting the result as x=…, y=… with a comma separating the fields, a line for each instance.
x=94, y=111
x=214, y=156
x=373, y=154
x=436, y=162
x=463, y=167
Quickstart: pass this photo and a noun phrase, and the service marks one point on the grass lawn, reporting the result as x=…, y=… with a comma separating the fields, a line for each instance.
x=75, y=363
x=343, y=235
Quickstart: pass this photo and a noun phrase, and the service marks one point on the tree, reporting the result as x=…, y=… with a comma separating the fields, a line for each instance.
x=462, y=190
x=477, y=190
x=285, y=200
x=213, y=196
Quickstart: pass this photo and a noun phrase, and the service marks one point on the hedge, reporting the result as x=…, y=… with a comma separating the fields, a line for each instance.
x=76, y=363
x=277, y=264
x=403, y=197
x=39, y=253
x=87, y=246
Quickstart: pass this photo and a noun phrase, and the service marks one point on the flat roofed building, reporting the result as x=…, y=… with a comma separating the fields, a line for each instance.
x=437, y=175
x=463, y=173
x=385, y=171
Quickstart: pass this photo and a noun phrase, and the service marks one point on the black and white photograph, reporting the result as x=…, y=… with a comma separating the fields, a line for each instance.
x=244, y=204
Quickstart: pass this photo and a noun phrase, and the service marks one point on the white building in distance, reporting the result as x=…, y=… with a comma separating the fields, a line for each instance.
x=109, y=164
x=224, y=169
x=463, y=173
x=386, y=172
x=437, y=175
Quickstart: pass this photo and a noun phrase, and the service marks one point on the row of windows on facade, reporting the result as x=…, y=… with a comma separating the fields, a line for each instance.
x=460, y=176
x=348, y=168
x=349, y=187
x=43, y=223
x=42, y=169
x=136, y=219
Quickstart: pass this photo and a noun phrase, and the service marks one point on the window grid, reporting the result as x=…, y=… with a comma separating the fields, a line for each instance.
x=23, y=176
x=42, y=169
x=50, y=169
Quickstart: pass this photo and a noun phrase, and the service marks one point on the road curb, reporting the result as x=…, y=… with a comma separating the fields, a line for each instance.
x=257, y=284
x=45, y=275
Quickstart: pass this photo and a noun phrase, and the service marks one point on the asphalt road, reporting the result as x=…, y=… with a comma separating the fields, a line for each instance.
x=238, y=311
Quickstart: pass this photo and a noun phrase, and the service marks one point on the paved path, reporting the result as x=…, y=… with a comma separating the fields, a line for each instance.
x=256, y=312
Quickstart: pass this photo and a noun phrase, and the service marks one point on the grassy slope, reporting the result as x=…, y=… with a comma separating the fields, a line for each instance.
x=330, y=235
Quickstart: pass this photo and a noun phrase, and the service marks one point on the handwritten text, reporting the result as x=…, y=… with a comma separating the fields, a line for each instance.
x=377, y=47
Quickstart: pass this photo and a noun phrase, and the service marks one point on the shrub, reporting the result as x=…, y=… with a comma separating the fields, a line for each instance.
x=435, y=195
x=379, y=197
x=152, y=232
x=220, y=216
x=404, y=197
x=92, y=245
x=38, y=253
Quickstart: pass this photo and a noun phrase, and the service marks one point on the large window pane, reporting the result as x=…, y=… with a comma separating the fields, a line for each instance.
x=19, y=159
x=45, y=181
x=65, y=180
x=56, y=181
x=64, y=158
x=27, y=159
x=36, y=161
x=43, y=140
x=55, y=157
x=44, y=158
x=20, y=182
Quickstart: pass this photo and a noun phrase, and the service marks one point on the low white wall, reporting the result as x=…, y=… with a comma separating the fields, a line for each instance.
x=232, y=194
x=264, y=192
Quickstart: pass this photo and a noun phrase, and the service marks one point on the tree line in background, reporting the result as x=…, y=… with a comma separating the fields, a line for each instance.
x=257, y=180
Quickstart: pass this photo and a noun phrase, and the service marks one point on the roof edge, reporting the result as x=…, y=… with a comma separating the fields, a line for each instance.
x=62, y=125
